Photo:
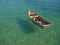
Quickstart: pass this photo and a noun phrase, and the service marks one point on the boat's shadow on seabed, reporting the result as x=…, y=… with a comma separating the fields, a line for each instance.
x=25, y=25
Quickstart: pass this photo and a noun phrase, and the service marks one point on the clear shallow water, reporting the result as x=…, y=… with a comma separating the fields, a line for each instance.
x=17, y=29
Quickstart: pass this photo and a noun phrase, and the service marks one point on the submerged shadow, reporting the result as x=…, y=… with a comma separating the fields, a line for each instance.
x=25, y=25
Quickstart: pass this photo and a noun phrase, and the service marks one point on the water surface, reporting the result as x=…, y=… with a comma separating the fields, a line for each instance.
x=17, y=29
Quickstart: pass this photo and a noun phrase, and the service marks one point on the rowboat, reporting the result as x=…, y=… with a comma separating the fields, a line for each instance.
x=38, y=19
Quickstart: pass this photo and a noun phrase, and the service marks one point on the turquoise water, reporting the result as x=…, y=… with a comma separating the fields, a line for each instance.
x=17, y=29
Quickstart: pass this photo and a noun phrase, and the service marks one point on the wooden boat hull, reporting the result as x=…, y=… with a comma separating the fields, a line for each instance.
x=38, y=20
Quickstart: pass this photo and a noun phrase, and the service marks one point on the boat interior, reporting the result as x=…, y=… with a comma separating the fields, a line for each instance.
x=42, y=20
x=38, y=18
